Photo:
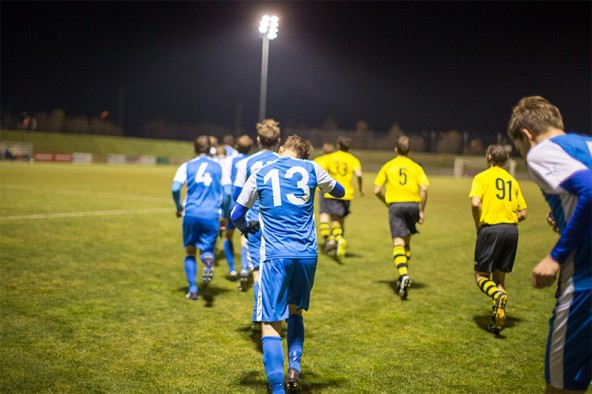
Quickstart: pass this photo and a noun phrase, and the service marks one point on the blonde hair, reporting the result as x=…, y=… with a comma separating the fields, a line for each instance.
x=268, y=131
x=299, y=145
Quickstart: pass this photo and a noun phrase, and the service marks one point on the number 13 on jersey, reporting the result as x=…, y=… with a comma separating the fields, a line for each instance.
x=276, y=180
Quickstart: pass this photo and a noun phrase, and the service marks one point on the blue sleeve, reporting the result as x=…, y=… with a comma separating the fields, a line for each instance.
x=236, y=191
x=578, y=227
x=338, y=191
x=177, y=195
x=239, y=217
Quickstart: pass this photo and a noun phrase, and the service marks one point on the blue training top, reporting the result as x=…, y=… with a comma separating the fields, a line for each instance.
x=562, y=167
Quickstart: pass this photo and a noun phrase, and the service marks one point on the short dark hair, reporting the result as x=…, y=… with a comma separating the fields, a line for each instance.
x=202, y=144
x=403, y=145
x=344, y=143
x=496, y=155
x=244, y=143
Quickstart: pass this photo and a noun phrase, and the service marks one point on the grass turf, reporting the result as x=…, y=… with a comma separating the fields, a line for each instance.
x=95, y=303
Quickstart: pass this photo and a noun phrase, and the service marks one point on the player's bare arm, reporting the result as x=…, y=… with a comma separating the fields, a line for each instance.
x=522, y=215
x=476, y=210
x=378, y=192
x=359, y=174
x=423, y=196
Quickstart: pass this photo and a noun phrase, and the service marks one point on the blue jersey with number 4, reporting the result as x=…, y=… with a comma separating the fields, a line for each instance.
x=203, y=177
x=285, y=191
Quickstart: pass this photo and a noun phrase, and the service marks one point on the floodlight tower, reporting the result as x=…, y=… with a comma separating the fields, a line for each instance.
x=269, y=30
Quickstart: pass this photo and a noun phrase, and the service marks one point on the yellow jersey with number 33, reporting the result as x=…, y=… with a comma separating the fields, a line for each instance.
x=402, y=178
x=342, y=166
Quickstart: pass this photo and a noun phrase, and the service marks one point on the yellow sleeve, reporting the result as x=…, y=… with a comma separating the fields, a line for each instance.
x=520, y=197
x=380, y=179
x=476, y=189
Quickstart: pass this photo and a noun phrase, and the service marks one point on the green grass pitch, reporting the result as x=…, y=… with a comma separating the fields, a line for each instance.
x=92, y=297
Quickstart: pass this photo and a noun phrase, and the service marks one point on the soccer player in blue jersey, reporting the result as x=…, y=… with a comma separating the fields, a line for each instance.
x=201, y=211
x=285, y=190
x=243, y=145
x=561, y=164
x=268, y=139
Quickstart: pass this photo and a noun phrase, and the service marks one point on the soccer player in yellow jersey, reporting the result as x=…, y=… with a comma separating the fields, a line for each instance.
x=498, y=206
x=406, y=195
x=342, y=166
x=324, y=216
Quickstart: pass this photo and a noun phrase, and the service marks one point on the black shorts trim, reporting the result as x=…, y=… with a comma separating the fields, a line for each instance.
x=402, y=219
x=496, y=248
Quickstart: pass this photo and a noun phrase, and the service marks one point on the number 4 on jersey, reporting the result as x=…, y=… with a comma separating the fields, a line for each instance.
x=202, y=176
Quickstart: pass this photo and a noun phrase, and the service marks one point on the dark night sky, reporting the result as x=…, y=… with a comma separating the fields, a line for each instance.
x=423, y=65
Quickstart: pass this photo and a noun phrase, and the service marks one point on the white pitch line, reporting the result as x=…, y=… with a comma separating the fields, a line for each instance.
x=86, y=193
x=88, y=213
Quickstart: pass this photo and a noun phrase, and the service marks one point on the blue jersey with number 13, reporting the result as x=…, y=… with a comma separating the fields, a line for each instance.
x=285, y=190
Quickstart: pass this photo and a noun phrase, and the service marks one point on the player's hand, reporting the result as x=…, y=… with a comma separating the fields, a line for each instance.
x=252, y=228
x=421, y=217
x=545, y=273
x=223, y=223
x=179, y=213
x=551, y=222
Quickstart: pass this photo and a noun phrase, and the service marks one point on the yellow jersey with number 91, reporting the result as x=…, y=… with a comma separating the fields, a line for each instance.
x=500, y=194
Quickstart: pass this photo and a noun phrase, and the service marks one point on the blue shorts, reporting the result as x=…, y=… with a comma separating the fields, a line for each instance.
x=282, y=282
x=254, y=249
x=200, y=232
x=229, y=223
x=568, y=360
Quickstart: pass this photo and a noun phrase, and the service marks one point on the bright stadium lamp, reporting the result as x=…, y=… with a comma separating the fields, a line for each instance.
x=269, y=30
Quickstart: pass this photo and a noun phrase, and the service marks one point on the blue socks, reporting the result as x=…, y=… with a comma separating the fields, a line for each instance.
x=244, y=259
x=295, y=339
x=255, y=294
x=191, y=272
x=229, y=253
x=273, y=361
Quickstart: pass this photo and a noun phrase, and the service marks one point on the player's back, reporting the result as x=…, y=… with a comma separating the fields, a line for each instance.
x=501, y=197
x=233, y=162
x=286, y=192
x=341, y=166
x=403, y=178
x=248, y=166
x=204, y=187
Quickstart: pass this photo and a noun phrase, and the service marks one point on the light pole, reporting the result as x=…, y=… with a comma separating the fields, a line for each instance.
x=268, y=29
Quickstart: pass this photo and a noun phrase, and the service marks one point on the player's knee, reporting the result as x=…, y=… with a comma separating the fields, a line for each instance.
x=207, y=257
x=190, y=250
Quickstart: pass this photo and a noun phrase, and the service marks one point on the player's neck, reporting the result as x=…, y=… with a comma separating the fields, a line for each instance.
x=289, y=153
x=551, y=132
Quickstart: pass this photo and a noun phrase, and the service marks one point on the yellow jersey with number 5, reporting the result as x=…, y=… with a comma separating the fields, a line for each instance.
x=402, y=178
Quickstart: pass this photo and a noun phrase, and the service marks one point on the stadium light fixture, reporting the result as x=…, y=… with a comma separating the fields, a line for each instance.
x=269, y=30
